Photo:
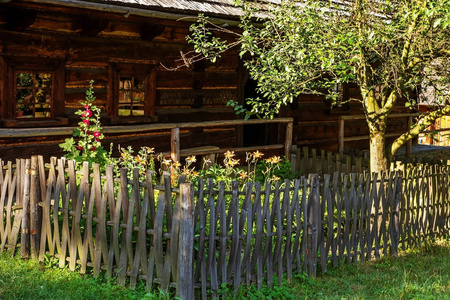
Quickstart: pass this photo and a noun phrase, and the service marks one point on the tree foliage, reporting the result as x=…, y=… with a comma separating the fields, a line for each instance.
x=390, y=49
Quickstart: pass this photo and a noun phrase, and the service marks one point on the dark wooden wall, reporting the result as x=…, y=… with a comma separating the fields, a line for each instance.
x=89, y=42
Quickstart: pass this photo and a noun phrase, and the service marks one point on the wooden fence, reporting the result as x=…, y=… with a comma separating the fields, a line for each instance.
x=307, y=161
x=197, y=238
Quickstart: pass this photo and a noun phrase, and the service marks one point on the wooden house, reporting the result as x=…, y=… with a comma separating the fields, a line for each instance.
x=51, y=49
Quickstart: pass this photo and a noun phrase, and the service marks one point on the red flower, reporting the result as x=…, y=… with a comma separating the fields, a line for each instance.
x=86, y=106
x=88, y=113
x=98, y=140
x=80, y=148
x=93, y=148
x=86, y=122
x=96, y=134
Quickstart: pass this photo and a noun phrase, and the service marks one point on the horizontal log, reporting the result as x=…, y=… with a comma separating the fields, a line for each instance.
x=367, y=137
x=362, y=117
x=29, y=132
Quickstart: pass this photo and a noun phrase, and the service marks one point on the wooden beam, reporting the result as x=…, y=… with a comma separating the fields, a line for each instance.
x=55, y=131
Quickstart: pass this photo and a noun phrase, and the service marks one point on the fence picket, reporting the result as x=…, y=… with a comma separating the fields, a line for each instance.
x=66, y=197
x=213, y=221
x=297, y=216
x=222, y=267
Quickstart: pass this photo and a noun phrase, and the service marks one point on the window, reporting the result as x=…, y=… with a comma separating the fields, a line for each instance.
x=32, y=91
x=33, y=95
x=131, y=98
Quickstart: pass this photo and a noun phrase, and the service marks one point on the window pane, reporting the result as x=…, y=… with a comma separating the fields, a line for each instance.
x=24, y=79
x=125, y=83
x=43, y=80
x=138, y=112
x=139, y=83
x=43, y=96
x=138, y=96
x=43, y=110
x=124, y=110
x=124, y=97
x=24, y=96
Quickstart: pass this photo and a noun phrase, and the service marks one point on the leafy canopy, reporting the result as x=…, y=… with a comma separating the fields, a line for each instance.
x=388, y=48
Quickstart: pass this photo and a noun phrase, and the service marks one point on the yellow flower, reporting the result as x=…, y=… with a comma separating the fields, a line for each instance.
x=166, y=162
x=186, y=171
x=243, y=175
x=191, y=159
x=149, y=150
x=176, y=164
x=194, y=173
x=257, y=155
x=229, y=154
x=275, y=178
x=234, y=162
x=275, y=159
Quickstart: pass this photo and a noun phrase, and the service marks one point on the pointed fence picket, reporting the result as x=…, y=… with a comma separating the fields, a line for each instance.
x=198, y=238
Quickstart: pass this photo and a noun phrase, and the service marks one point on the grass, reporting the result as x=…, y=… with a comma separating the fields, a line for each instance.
x=29, y=279
x=417, y=274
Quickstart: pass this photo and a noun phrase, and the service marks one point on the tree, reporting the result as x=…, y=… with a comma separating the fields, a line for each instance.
x=390, y=49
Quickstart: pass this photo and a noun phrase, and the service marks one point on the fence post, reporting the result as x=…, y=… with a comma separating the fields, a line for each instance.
x=314, y=225
x=175, y=144
x=185, y=284
x=288, y=140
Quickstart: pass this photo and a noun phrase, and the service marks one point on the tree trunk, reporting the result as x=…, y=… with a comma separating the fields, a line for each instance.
x=378, y=157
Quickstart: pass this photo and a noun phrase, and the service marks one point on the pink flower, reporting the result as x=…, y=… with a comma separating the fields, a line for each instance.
x=86, y=122
x=87, y=113
x=96, y=134
x=80, y=148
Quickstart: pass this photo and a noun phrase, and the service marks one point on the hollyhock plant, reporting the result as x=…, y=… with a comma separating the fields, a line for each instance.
x=85, y=145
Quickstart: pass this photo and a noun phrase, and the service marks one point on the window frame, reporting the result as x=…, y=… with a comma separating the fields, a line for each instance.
x=118, y=70
x=10, y=66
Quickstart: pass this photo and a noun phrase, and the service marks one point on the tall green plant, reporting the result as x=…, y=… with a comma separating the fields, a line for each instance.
x=86, y=143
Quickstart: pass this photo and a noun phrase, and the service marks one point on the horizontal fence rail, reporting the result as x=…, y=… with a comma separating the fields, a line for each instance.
x=198, y=238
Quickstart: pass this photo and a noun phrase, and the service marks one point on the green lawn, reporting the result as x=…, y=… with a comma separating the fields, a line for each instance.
x=417, y=274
